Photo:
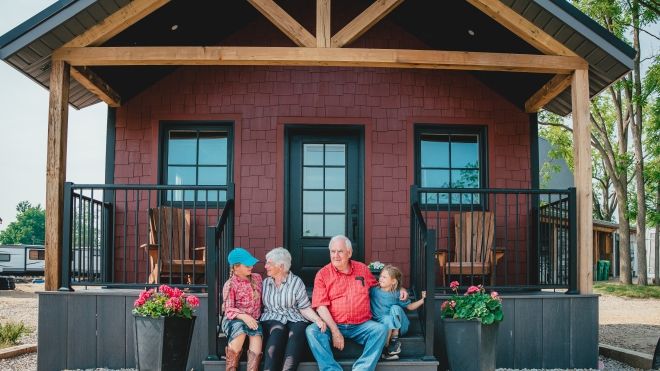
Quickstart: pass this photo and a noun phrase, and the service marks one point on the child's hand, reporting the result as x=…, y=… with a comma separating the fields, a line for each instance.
x=251, y=322
x=423, y=295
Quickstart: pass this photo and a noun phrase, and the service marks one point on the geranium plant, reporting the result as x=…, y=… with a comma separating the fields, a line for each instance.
x=474, y=304
x=166, y=302
x=376, y=265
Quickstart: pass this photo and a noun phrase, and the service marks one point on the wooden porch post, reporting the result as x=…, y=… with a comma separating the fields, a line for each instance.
x=58, y=112
x=582, y=154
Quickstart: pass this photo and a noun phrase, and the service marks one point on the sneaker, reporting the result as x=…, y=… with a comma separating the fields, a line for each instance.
x=394, y=347
x=389, y=357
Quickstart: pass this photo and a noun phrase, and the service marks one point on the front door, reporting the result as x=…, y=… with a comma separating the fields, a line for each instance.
x=324, y=195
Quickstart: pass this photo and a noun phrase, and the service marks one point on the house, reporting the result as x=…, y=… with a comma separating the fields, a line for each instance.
x=259, y=123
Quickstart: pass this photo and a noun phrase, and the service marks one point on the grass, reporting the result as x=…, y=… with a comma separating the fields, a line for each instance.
x=627, y=291
x=10, y=332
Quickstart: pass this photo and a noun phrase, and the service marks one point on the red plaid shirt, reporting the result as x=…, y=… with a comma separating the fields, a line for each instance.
x=345, y=294
x=238, y=297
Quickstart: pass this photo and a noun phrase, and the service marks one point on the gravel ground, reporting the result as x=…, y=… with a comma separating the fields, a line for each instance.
x=627, y=323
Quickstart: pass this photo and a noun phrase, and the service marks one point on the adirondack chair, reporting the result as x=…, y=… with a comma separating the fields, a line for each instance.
x=474, y=254
x=169, y=247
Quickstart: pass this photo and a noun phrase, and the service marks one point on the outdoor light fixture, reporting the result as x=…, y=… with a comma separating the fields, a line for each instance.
x=174, y=27
x=471, y=32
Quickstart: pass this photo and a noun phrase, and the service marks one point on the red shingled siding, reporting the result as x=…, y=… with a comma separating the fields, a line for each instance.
x=387, y=101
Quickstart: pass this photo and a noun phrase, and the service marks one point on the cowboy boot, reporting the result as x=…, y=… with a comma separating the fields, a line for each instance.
x=232, y=359
x=253, y=360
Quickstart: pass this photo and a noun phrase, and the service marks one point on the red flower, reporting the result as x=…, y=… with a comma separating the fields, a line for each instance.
x=193, y=301
x=174, y=304
x=176, y=293
x=472, y=290
x=453, y=285
x=165, y=290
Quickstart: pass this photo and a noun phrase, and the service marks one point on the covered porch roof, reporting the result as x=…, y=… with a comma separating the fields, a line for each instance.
x=449, y=25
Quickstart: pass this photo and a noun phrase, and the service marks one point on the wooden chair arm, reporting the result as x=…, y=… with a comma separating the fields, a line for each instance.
x=149, y=246
x=201, y=249
x=442, y=257
x=498, y=253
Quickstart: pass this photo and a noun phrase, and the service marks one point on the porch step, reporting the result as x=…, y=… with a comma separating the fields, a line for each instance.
x=410, y=364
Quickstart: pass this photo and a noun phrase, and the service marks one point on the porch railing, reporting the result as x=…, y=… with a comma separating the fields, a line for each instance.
x=423, y=244
x=221, y=238
x=502, y=238
x=134, y=235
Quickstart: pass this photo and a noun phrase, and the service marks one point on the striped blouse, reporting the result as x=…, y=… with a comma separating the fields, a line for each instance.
x=283, y=303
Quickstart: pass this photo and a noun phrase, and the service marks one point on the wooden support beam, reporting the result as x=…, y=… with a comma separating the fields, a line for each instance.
x=323, y=32
x=548, y=92
x=293, y=56
x=282, y=20
x=363, y=22
x=58, y=111
x=116, y=23
x=94, y=83
x=582, y=155
x=520, y=26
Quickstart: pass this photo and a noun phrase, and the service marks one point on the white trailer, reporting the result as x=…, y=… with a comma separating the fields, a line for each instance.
x=22, y=259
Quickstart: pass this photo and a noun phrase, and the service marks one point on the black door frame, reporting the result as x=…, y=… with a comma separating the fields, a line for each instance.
x=318, y=129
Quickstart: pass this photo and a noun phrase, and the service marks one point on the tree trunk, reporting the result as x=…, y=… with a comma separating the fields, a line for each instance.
x=639, y=156
x=656, y=280
x=625, y=274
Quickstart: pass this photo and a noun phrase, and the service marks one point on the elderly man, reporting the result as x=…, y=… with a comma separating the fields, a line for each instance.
x=341, y=298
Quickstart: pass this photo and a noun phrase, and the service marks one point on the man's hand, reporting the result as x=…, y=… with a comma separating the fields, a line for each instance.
x=249, y=321
x=337, y=340
x=403, y=296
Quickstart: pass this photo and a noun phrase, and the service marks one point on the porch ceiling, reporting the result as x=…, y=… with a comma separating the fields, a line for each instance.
x=442, y=25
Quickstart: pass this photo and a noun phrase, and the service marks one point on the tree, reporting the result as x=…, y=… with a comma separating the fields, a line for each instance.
x=29, y=227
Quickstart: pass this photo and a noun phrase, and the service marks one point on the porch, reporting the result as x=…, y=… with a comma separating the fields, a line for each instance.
x=535, y=273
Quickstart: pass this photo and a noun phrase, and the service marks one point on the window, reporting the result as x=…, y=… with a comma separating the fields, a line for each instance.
x=36, y=254
x=196, y=155
x=5, y=257
x=450, y=157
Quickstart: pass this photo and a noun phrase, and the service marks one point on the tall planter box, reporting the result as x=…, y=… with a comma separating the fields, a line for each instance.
x=471, y=346
x=162, y=343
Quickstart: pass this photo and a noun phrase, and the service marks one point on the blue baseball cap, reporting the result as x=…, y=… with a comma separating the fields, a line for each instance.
x=242, y=256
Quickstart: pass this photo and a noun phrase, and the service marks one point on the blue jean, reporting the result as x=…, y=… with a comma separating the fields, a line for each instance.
x=372, y=335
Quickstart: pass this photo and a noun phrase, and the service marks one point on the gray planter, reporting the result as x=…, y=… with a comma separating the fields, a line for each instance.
x=471, y=346
x=162, y=343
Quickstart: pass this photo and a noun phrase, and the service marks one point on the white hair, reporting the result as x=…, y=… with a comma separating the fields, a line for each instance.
x=341, y=237
x=281, y=257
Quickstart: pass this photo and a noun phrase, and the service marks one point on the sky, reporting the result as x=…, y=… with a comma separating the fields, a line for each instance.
x=24, y=129
x=24, y=126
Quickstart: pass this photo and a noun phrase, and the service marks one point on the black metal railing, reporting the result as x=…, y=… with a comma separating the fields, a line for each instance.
x=501, y=238
x=221, y=241
x=135, y=235
x=422, y=268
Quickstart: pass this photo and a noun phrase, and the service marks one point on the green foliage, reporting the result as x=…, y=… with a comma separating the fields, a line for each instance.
x=474, y=304
x=627, y=291
x=29, y=227
x=10, y=332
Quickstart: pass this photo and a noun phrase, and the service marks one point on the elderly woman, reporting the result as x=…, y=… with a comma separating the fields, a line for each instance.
x=286, y=309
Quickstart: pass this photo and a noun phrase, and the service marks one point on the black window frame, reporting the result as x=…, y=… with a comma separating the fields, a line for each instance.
x=451, y=129
x=165, y=128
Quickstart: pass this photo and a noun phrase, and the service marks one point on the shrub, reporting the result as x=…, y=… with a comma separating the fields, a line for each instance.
x=474, y=304
x=10, y=332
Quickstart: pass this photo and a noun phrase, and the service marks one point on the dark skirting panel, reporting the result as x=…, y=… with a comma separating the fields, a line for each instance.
x=541, y=330
x=69, y=322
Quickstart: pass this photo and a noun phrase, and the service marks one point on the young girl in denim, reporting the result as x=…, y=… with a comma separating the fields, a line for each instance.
x=241, y=296
x=387, y=308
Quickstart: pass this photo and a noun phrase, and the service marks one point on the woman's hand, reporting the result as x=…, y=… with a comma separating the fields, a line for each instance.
x=322, y=326
x=249, y=321
x=338, y=340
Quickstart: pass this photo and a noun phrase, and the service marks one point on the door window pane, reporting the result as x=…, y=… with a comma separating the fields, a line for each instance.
x=334, y=225
x=335, y=154
x=312, y=177
x=335, y=178
x=312, y=225
x=313, y=154
x=312, y=201
x=335, y=201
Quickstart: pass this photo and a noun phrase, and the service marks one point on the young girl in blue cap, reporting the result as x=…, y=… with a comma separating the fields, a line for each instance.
x=241, y=296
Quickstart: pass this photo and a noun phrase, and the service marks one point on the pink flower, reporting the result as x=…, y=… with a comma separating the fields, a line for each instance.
x=472, y=290
x=165, y=290
x=453, y=285
x=174, y=304
x=176, y=293
x=495, y=295
x=444, y=305
x=193, y=301
x=139, y=302
x=452, y=304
